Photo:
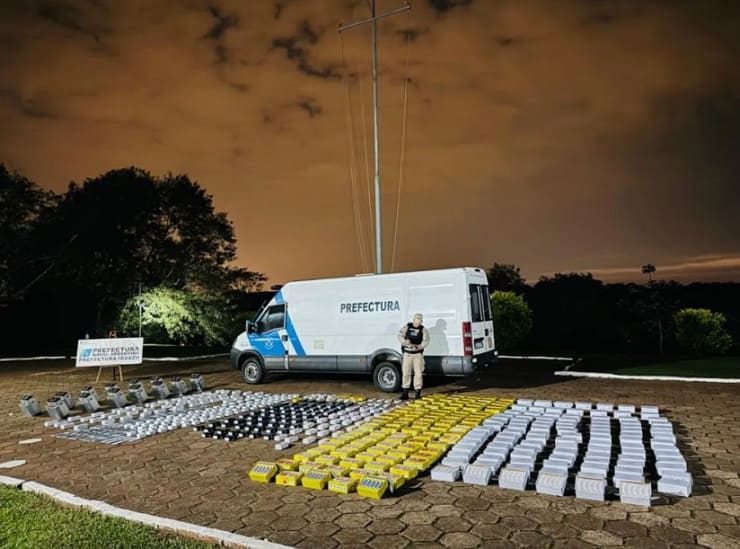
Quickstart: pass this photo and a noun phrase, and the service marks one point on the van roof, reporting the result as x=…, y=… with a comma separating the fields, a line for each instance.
x=368, y=275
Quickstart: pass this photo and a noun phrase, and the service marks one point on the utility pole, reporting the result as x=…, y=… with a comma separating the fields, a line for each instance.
x=376, y=137
x=141, y=308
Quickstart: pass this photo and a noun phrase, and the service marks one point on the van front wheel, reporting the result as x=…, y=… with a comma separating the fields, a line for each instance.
x=252, y=371
x=387, y=377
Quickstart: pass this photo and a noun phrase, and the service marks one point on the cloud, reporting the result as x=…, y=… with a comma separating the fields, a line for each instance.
x=310, y=106
x=443, y=6
x=71, y=17
x=412, y=34
x=714, y=266
x=296, y=49
x=530, y=137
x=221, y=24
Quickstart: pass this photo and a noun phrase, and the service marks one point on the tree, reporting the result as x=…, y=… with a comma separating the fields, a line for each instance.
x=177, y=316
x=22, y=204
x=645, y=312
x=649, y=269
x=702, y=332
x=505, y=278
x=512, y=319
x=126, y=228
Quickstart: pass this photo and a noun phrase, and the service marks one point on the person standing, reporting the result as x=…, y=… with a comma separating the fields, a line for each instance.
x=414, y=338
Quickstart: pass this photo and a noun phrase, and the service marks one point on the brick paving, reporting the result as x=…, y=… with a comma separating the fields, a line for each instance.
x=182, y=476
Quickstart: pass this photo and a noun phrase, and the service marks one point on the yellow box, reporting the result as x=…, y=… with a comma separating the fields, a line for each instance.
x=301, y=458
x=326, y=460
x=438, y=445
x=365, y=456
x=359, y=474
x=388, y=443
x=419, y=462
x=398, y=454
x=428, y=452
x=376, y=451
x=263, y=471
x=351, y=463
x=372, y=487
x=342, y=485
x=314, y=452
x=410, y=431
x=288, y=478
x=452, y=438
x=307, y=466
x=337, y=471
x=356, y=447
x=377, y=466
x=287, y=465
x=419, y=439
x=344, y=452
x=330, y=445
x=316, y=480
x=390, y=460
x=406, y=471
x=394, y=481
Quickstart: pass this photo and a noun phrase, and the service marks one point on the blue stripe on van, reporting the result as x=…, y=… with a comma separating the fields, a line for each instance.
x=300, y=351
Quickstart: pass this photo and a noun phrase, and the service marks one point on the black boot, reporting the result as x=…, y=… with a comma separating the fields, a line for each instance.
x=405, y=394
x=418, y=393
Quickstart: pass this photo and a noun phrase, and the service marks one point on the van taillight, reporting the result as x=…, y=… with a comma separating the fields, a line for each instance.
x=467, y=339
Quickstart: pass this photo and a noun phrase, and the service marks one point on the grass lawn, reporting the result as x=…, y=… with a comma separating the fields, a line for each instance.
x=723, y=367
x=30, y=520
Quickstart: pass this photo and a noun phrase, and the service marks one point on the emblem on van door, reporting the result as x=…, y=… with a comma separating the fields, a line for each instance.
x=268, y=344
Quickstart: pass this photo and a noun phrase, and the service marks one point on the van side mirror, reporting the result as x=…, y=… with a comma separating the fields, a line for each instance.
x=250, y=327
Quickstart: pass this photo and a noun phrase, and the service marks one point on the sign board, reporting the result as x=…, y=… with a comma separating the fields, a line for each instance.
x=109, y=352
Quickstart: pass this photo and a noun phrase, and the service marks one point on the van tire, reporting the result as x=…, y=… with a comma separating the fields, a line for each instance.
x=387, y=377
x=252, y=371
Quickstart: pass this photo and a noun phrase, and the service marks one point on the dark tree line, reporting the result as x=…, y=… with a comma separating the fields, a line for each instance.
x=575, y=312
x=70, y=261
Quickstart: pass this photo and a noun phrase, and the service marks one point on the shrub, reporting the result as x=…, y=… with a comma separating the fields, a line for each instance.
x=702, y=332
x=512, y=319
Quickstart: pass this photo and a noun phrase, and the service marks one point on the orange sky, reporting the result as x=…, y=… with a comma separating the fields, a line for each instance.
x=559, y=136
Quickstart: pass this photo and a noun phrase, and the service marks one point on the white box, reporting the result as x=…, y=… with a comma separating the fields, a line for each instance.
x=446, y=473
x=477, y=474
x=676, y=484
x=591, y=487
x=635, y=493
x=513, y=478
x=594, y=469
x=551, y=483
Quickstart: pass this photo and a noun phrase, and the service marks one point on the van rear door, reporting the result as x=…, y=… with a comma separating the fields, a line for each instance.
x=481, y=319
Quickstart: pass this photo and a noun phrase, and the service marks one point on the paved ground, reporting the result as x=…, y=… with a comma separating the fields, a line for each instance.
x=182, y=476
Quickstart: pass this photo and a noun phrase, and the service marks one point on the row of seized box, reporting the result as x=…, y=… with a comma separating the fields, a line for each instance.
x=384, y=453
x=62, y=403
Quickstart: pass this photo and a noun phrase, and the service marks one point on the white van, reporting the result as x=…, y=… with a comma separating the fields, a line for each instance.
x=350, y=325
